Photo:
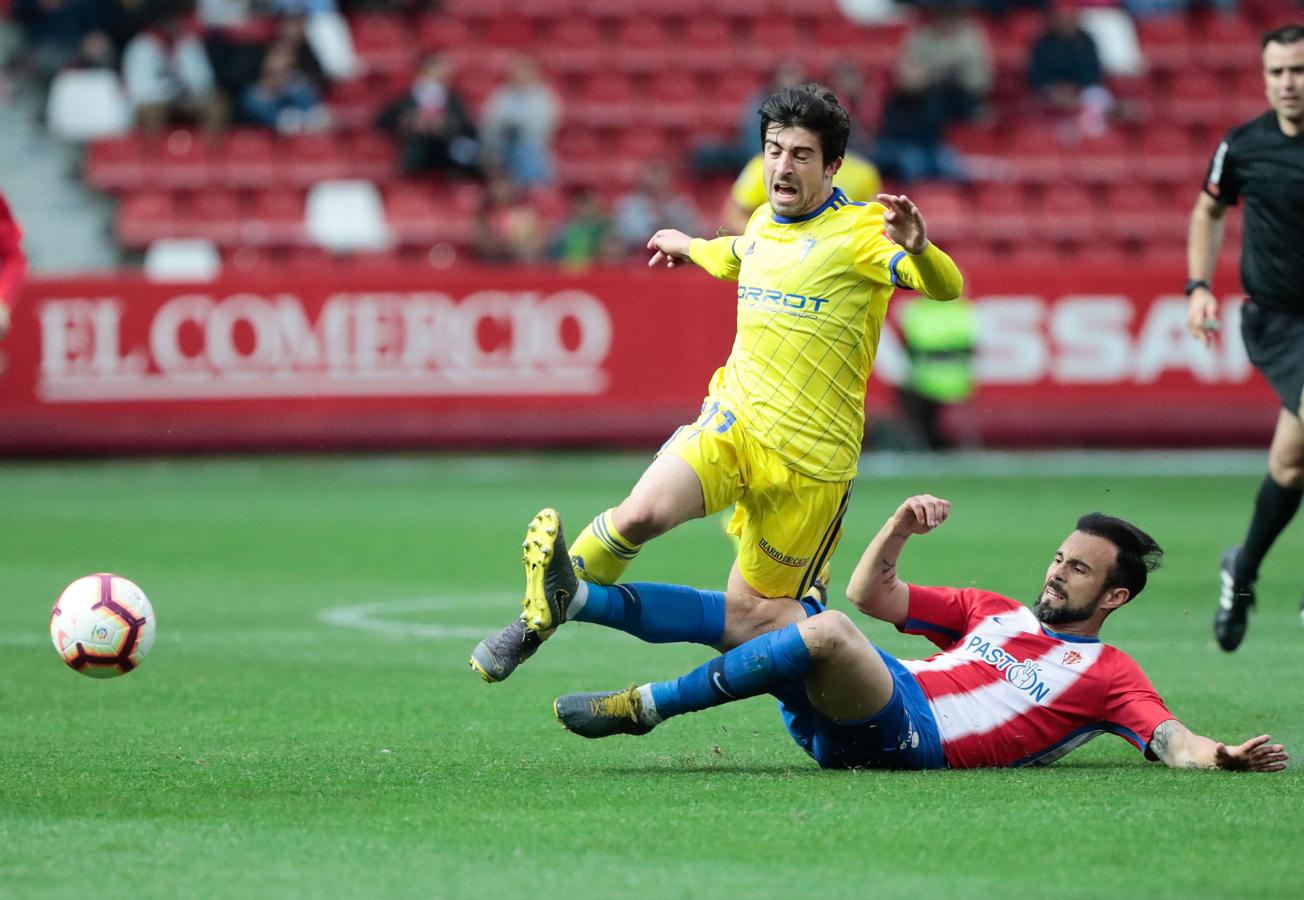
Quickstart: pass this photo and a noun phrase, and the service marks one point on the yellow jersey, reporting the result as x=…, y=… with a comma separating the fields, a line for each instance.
x=858, y=179
x=812, y=294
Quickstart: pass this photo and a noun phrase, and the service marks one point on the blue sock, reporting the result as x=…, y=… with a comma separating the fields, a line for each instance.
x=657, y=613
x=761, y=665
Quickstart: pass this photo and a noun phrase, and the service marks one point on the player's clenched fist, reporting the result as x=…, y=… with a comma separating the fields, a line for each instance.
x=921, y=514
x=670, y=246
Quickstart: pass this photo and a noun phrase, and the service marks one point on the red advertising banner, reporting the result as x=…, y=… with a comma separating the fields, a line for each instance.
x=1068, y=356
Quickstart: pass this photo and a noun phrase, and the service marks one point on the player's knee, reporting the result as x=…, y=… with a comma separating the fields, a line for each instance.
x=828, y=633
x=641, y=518
x=1287, y=469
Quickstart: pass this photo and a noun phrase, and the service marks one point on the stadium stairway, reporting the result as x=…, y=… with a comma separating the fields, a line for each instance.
x=66, y=225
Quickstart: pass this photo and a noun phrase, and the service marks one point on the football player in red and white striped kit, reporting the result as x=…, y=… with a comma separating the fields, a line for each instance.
x=1011, y=685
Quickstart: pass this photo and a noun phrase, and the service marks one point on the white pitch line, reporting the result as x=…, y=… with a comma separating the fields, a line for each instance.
x=373, y=617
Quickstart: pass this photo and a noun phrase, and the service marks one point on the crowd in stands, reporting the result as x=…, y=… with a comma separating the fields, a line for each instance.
x=512, y=130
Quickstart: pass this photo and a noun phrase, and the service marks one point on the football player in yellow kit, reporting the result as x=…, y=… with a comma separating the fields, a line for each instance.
x=780, y=432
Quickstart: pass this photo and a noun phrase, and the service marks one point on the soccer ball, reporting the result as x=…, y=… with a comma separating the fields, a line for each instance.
x=102, y=625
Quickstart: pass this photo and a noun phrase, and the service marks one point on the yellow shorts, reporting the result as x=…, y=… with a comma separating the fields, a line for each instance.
x=788, y=524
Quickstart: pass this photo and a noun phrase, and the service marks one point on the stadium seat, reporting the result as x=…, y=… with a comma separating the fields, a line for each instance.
x=510, y=31
x=383, y=43
x=215, y=215
x=144, y=218
x=181, y=160
x=310, y=158
x=346, y=215
x=116, y=163
x=249, y=160
x=277, y=219
x=444, y=32
x=84, y=104
x=372, y=156
x=1068, y=214
x=413, y=215
x=182, y=260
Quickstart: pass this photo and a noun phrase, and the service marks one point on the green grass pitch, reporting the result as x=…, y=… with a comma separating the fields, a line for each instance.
x=306, y=724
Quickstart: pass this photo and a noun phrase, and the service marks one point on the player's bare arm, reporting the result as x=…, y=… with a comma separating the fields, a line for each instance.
x=670, y=247
x=1180, y=748
x=875, y=588
x=903, y=223
x=4, y=319
x=1203, y=243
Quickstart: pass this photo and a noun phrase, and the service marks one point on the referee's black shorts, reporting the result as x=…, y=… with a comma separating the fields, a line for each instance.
x=1274, y=341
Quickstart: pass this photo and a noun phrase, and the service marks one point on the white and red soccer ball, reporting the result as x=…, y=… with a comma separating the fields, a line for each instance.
x=102, y=625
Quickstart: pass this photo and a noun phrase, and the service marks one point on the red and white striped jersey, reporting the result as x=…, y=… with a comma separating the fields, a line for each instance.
x=1007, y=691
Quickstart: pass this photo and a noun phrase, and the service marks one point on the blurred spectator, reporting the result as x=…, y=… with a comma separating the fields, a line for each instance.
x=236, y=34
x=292, y=34
x=326, y=32
x=653, y=204
x=284, y=97
x=432, y=123
x=1064, y=72
x=54, y=30
x=911, y=141
x=517, y=125
x=857, y=178
x=940, y=341
x=507, y=229
x=732, y=156
x=859, y=99
x=13, y=264
x=167, y=75
x=96, y=51
x=957, y=63
x=587, y=235
x=128, y=18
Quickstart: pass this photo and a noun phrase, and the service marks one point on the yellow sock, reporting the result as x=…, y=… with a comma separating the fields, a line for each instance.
x=600, y=554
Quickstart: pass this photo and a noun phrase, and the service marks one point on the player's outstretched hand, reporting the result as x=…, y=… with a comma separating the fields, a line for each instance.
x=4, y=319
x=903, y=223
x=1202, y=316
x=1255, y=755
x=670, y=246
x=921, y=514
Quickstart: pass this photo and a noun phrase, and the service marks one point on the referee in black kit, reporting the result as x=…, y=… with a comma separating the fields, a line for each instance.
x=1262, y=161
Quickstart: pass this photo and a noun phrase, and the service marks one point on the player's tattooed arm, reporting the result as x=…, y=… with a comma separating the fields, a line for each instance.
x=874, y=587
x=1180, y=748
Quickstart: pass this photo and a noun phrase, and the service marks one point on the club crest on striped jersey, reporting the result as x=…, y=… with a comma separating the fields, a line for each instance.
x=1072, y=658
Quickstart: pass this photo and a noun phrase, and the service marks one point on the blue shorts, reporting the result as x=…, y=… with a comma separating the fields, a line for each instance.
x=903, y=735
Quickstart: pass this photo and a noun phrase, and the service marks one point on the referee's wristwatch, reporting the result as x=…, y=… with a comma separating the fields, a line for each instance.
x=1194, y=285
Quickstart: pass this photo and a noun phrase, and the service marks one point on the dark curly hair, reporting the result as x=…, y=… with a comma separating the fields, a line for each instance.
x=813, y=107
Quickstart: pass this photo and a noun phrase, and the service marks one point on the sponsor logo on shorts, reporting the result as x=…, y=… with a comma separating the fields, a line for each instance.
x=798, y=562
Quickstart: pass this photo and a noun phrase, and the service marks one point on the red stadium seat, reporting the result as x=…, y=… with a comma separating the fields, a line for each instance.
x=179, y=160
x=249, y=160
x=1068, y=214
x=310, y=158
x=1101, y=160
x=413, y=215
x=383, y=43
x=116, y=164
x=372, y=156
x=278, y=219
x=775, y=36
x=144, y=218
x=444, y=32
x=216, y=215
x=510, y=31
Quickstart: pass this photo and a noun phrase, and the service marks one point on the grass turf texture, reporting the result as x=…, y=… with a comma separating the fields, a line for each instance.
x=262, y=751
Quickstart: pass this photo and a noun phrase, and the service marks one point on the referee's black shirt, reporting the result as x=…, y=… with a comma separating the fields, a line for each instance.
x=1257, y=161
